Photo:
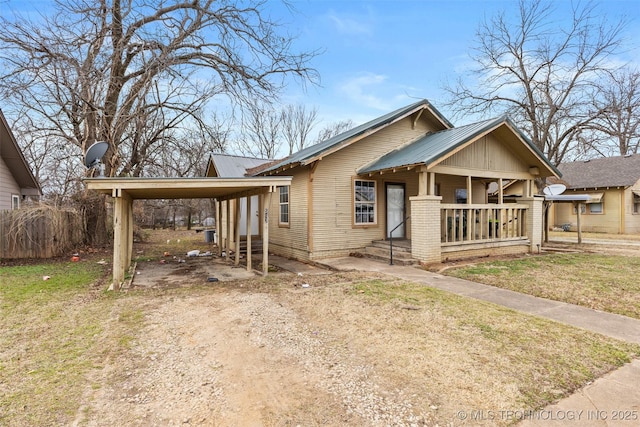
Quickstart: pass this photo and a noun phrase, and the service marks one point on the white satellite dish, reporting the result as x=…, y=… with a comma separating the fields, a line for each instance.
x=554, y=189
x=94, y=155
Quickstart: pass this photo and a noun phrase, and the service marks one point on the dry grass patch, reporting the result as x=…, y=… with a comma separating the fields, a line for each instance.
x=52, y=333
x=453, y=353
x=602, y=282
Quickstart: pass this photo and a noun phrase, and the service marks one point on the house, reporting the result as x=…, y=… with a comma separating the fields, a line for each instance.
x=16, y=179
x=230, y=166
x=613, y=183
x=413, y=176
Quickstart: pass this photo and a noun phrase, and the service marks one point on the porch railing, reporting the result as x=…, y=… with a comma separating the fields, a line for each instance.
x=486, y=222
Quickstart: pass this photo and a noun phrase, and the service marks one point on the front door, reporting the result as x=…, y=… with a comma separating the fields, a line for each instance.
x=395, y=210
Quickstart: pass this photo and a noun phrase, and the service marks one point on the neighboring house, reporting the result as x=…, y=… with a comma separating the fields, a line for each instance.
x=230, y=166
x=359, y=186
x=614, y=186
x=16, y=179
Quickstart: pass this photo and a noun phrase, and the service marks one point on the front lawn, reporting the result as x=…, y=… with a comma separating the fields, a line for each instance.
x=603, y=282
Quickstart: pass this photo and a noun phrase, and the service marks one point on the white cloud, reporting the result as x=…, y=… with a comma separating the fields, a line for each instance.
x=350, y=26
x=374, y=91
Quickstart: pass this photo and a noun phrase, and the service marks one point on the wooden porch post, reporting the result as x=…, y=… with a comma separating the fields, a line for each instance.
x=249, y=215
x=423, y=181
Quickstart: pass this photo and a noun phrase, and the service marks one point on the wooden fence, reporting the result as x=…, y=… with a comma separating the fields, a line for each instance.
x=40, y=232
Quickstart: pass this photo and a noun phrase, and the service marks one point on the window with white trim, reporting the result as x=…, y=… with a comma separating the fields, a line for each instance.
x=15, y=201
x=284, y=205
x=364, y=202
x=636, y=203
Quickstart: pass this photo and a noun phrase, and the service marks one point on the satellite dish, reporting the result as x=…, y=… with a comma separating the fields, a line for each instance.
x=554, y=189
x=94, y=155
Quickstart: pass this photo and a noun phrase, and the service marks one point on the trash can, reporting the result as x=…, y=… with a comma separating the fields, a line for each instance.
x=210, y=236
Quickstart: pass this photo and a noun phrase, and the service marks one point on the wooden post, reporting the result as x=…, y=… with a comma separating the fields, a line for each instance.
x=579, y=215
x=249, y=215
x=236, y=204
x=227, y=244
x=122, y=236
x=219, y=226
x=432, y=184
x=265, y=232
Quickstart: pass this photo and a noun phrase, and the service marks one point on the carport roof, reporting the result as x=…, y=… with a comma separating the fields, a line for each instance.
x=186, y=188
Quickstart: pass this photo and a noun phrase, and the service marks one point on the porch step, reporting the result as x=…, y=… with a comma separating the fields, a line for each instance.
x=379, y=250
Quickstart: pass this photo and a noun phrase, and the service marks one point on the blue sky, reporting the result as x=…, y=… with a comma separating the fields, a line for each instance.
x=380, y=55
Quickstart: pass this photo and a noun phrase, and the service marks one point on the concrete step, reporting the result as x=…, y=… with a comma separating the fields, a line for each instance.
x=398, y=245
x=400, y=257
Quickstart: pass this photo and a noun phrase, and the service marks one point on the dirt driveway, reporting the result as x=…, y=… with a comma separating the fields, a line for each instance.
x=247, y=353
x=305, y=350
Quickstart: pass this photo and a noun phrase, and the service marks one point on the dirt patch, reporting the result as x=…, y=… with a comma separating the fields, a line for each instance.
x=237, y=358
x=173, y=272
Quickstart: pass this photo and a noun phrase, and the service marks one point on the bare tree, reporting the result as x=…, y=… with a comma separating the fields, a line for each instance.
x=619, y=98
x=333, y=129
x=261, y=131
x=297, y=124
x=540, y=71
x=131, y=73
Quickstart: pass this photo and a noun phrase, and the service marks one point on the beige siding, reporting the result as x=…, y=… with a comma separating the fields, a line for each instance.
x=607, y=222
x=487, y=153
x=334, y=231
x=8, y=186
x=631, y=219
x=291, y=241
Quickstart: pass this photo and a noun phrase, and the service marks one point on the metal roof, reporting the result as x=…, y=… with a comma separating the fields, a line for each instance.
x=618, y=171
x=313, y=152
x=433, y=146
x=230, y=166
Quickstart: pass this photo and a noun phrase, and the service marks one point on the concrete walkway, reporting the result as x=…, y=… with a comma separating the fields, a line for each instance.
x=612, y=400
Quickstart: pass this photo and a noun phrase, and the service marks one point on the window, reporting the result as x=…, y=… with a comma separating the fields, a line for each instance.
x=15, y=201
x=364, y=202
x=461, y=195
x=595, y=208
x=284, y=205
x=636, y=203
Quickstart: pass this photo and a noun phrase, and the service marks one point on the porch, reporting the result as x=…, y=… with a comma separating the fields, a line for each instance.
x=465, y=231
x=478, y=223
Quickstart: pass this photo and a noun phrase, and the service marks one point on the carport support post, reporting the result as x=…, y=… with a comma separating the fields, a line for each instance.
x=219, y=226
x=265, y=231
x=122, y=235
x=249, y=233
x=227, y=244
x=236, y=224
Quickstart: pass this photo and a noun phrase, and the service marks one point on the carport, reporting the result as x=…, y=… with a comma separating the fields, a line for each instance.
x=226, y=191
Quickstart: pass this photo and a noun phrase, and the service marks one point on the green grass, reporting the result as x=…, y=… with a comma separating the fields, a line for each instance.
x=52, y=334
x=603, y=282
